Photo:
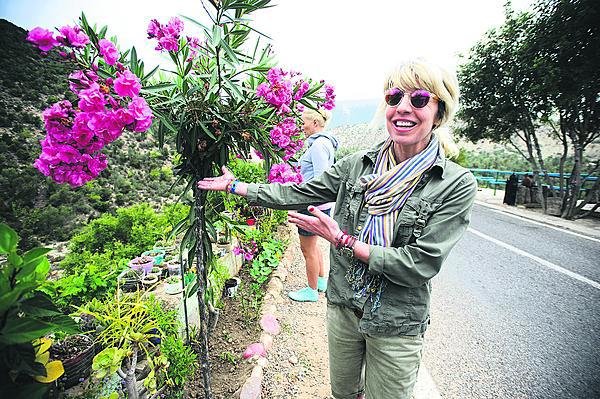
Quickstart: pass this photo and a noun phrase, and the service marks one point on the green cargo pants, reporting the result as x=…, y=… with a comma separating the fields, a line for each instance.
x=383, y=367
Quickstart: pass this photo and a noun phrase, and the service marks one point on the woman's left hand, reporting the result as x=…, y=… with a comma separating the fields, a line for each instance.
x=320, y=224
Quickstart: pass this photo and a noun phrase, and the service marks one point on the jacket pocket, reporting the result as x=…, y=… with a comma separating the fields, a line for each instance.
x=412, y=220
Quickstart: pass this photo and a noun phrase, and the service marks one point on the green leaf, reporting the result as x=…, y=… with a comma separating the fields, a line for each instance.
x=25, y=329
x=149, y=74
x=133, y=60
x=102, y=32
x=158, y=87
x=167, y=123
x=8, y=239
x=229, y=52
x=8, y=299
x=35, y=253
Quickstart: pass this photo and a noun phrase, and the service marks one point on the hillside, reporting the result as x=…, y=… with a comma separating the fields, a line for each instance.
x=40, y=210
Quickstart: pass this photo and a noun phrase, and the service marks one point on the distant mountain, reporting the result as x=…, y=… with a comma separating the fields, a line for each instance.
x=353, y=112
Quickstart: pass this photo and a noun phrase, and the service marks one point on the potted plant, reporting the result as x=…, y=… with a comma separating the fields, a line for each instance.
x=76, y=353
x=157, y=271
x=173, y=285
x=149, y=280
x=143, y=263
x=157, y=254
x=130, y=279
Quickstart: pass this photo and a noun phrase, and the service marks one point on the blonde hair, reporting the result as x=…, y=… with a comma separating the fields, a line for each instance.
x=322, y=116
x=422, y=74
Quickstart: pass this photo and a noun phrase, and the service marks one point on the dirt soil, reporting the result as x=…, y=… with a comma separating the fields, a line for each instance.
x=298, y=362
x=235, y=330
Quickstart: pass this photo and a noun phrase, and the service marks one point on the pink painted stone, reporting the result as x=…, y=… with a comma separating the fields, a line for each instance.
x=270, y=324
x=255, y=349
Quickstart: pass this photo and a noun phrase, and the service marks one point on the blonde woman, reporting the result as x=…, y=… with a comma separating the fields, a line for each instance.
x=319, y=155
x=400, y=208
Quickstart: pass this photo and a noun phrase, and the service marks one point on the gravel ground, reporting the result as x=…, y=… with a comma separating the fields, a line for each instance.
x=298, y=363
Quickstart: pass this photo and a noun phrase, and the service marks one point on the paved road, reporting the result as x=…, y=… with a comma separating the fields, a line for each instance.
x=516, y=313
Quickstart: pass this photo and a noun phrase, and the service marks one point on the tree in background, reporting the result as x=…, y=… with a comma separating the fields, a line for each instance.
x=521, y=76
x=564, y=43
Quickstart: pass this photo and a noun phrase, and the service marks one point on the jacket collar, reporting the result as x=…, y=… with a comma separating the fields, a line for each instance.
x=439, y=164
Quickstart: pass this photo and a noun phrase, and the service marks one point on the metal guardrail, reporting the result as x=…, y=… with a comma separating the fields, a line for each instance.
x=497, y=177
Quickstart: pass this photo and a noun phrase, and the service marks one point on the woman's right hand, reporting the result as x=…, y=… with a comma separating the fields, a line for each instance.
x=218, y=183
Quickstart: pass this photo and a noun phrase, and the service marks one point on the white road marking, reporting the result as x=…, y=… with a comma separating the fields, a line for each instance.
x=562, y=230
x=425, y=387
x=536, y=258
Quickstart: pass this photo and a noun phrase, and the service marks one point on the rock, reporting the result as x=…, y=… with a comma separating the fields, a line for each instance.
x=293, y=360
x=251, y=388
x=275, y=285
x=255, y=349
x=270, y=324
x=262, y=362
x=267, y=340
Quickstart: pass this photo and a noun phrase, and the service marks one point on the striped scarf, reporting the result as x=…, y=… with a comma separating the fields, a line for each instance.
x=388, y=188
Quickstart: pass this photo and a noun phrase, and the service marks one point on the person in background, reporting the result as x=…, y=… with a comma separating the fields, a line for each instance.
x=318, y=156
x=400, y=208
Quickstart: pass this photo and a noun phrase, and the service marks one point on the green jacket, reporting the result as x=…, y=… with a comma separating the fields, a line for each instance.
x=431, y=222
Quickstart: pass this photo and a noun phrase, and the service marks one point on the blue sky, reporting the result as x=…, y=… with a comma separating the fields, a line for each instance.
x=350, y=43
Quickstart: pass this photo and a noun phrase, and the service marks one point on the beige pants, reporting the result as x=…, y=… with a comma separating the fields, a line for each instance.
x=383, y=367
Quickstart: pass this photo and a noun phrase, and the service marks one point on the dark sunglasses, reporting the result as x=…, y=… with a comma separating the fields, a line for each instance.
x=418, y=98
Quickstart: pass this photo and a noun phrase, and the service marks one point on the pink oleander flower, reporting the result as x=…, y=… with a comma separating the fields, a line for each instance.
x=279, y=138
x=284, y=173
x=174, y=27
x=168, y=43
x=329, y=102
x=302, y=88
x=142, y=114
x=127, y=84
x=72, y=36
x=153, y=29
x=82, y=135
x=167, y=35
x=58, y=119
x=42, y=38
x=108, y=51
x=278, y=92
x=106, y=126
x=194, y=45
x=92, y=99
x=80, y=80
x=66, y=164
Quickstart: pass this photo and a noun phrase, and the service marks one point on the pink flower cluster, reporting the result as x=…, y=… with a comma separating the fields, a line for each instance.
x=286, y=136
x=247, y=250
x=167, y=35
x=72, y=39
x=278, y=91
x=284, y=173
x=75, y=136
x=329, y=102
x=194, y=45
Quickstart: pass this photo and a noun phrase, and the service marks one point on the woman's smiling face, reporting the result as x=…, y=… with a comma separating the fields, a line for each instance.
x=410, y=127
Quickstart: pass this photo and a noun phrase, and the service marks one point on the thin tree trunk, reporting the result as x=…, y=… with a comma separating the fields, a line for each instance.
x=570, y=200
x=199, y=200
